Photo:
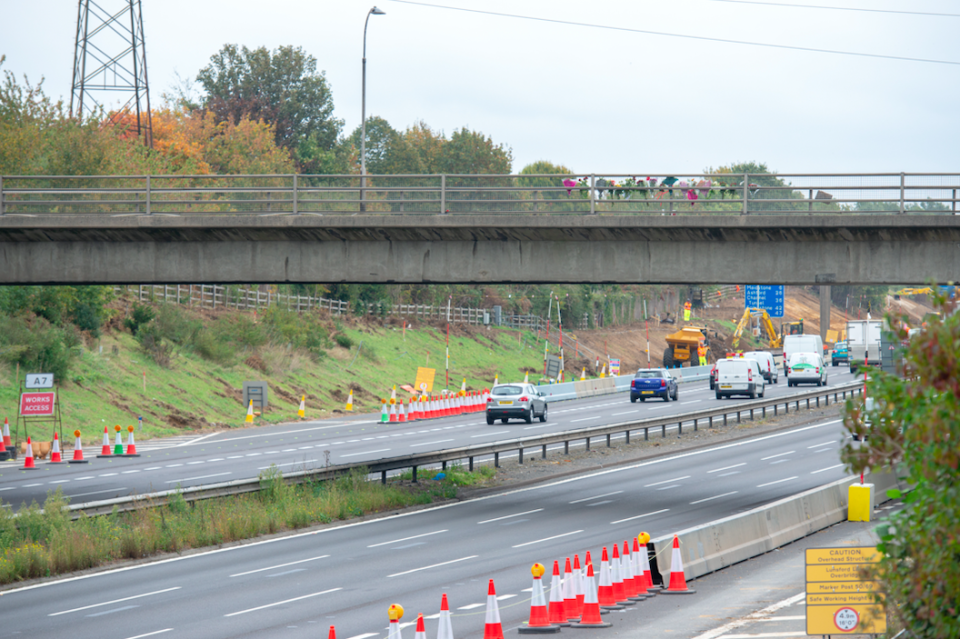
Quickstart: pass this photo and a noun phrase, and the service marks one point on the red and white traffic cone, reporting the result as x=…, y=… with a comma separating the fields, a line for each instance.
x=491, y=627
x=591, y=607
x=106, y=451
x=395, y=612
x=384, y=415
x=539, y=622
x=678, y=581
x=555, y=609
x=639, y=561
x=393, y=413
x=6, y=432
x=421, y=632
x=411, y=410
x=605, y=590
x=630, y=584
x=445, y=631
x=131, y=446
x=571, y=610
x=77, y=450
x=616, y=576
x=55, y=456
x=28, y=458
x=401, y=413
x=579, y=581
x=3, y=448
x=332, y=634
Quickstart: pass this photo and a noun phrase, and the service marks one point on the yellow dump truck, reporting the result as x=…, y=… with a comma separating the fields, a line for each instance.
x=682, y=346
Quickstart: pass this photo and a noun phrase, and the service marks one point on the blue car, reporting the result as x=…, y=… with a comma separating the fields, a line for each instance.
x=653, y=382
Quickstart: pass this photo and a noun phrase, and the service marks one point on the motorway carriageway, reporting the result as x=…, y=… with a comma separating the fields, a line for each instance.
x=296, y=586
x=243, y=454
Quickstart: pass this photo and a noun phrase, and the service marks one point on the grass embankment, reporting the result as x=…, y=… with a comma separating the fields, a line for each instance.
x=43, y=542
x=114, y=379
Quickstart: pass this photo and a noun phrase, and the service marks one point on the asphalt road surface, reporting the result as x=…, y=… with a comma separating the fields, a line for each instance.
x=244, y=454
x=295, y=587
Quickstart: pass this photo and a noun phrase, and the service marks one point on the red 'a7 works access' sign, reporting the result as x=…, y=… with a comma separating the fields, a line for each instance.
x=37, y=404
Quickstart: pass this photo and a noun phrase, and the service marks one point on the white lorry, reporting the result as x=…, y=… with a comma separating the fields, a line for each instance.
x=863, y=342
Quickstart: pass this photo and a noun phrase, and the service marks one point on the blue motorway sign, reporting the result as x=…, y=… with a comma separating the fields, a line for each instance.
x=770, y=298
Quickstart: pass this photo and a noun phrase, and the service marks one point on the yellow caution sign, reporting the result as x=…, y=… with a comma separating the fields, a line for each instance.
x=841, y=597
x=424, y=383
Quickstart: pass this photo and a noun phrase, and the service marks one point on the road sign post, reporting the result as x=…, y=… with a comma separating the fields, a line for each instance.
x=839, y=598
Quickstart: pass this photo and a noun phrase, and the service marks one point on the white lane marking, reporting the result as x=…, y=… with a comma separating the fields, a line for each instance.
x=793, y=618
x=599, y=473
x=108, y=603
x=526, y=512
x=369, y=634
x=532, y=427
x=439, y=441
x=82, y=478
x=626, y=413
x=235, y=457
x=104, y=475
x=778, y=455
x=194, y=463
x=221, y=458
x=585, y=419
x=763, y=635
x=173, y=465
x=696, y=401
x=814, y=472
x=499, y=432
x=150, y=634
x=832, y=441
x=733, y=472
x=667, y=481
x=577, y=501
x=280, y=603
x=305, y=461
x=600, y=503
x=98, y=492
x=292, y=563
x=779, y=481
x=717, y=470
x=530, y=543
x=367, y=452
x=152, y=468
x=671, y=486
x=700, y=501
x=716, y=633
x=60, y=481
x=502, y=597
x=126, y=472
x=656, y=512
x=253, y=454
x=470, y=606
x=657, y=407
x=444, y=563
x=397, y=541
x=174, y=481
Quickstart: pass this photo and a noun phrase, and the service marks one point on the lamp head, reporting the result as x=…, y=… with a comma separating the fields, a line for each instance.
x=378, y=12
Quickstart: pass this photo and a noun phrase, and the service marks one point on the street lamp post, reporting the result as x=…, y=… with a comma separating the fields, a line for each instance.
x=363, y=110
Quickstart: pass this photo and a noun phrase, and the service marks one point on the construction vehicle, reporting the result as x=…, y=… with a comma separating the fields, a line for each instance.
x=682, y=346
x=766, y=324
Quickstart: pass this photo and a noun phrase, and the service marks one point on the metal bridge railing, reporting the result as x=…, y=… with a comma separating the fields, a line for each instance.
x=594, y=194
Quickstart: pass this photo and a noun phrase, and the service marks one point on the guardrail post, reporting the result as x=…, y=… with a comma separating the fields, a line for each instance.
x=746, y=192
x=679, y=429
x=902, y=194
x=295, y=191
x=663, y=431
x=383, y=477
x=711, y=422
x=443, y=466
x=738, y=417
x=566, y=448
x=148, y=196
x=627, y=435
x=591, y=192
x=646, y=434
x=414, y=474
x=443, y=194
x=751, y=414
x=496, y=460
x=520, y=455
x=588, y=444
x=471, y=464
x=695, y=426
x=543, y=454
x=1, y=195
x=608, y=440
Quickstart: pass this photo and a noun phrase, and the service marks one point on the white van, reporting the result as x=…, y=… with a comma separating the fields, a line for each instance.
x=806, y=368
x=800, y=344
x=767, y=366
x=739, y=376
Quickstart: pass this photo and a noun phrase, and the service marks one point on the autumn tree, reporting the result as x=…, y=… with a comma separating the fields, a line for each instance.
x=914, y=429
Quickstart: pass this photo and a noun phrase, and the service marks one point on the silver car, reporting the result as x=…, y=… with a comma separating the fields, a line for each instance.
x=519, y=401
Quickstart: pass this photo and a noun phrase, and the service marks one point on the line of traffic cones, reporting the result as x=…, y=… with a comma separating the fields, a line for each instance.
x=443, y=404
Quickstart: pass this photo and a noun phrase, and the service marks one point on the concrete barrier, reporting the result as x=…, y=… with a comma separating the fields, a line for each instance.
x=613, y=384
x=728, y=541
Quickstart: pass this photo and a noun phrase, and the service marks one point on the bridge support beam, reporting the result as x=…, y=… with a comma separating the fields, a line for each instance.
x=824, y=312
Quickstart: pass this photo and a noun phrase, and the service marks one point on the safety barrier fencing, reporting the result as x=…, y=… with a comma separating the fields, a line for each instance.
x=556, y=195
x=613, y=384
x=812, y=398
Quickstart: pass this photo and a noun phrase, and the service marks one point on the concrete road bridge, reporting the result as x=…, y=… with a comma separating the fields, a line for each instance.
x=891, y=228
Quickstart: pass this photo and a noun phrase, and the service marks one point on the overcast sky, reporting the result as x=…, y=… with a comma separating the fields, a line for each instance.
x=595, y=100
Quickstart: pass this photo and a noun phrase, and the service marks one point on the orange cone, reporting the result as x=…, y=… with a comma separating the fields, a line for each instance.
x=571, y=609
x=6, y=432
x=395, y=612
x=555, y=609
x=578, y=581
x=491, y=627
x=445, y=631
x=28, y=459
x=641, y=568
x=77, y=450
x=539, y=618
x=616, y=576
x=105, y=451
x=3, y=447
x=421, y=632
x=605, y=590
x=131, y=447
x=591, y=607
x=393, y=413
x=332, y=634
x=678, y=581
x=55, y=456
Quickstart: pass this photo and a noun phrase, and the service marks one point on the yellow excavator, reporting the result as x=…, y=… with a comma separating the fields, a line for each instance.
x=776, y=341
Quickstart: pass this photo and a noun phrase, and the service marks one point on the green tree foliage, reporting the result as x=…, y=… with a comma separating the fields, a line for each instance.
x=282, y=88
x=84, y=306
x=914, y=428
x=542, y=167
x=761, y=176
x=859, y=300
x=37, y=345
